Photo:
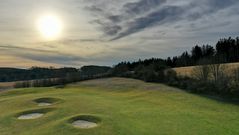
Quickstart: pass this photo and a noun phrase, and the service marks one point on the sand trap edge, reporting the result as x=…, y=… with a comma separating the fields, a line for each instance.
x=47, y=101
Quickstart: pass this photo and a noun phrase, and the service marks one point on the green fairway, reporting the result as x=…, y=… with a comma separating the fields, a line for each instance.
x=120, y=106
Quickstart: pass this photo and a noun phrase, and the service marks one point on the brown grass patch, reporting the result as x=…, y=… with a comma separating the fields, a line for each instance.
x=187, y=71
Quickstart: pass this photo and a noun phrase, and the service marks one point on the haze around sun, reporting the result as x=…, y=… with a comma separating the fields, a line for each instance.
x=49, y=26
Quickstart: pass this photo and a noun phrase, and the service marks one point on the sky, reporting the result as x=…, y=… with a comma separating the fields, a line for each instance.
x=105, y=32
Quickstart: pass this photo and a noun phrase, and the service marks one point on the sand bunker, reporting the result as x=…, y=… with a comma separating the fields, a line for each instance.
x=85, y=121
x=33, y=114
x=30, y=116
x=44, y=104
x=46, y=101
x=84, y=124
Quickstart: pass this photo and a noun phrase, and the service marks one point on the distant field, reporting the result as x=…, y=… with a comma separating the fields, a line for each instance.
x=187, y=71
x=123, y=107
x=10, y=85
x=6, y=85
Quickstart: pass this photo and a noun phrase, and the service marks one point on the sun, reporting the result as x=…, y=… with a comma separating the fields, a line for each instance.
x=50, y=26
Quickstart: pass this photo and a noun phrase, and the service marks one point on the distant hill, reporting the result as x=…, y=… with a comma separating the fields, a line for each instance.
x=94, y=70
x=14, y=74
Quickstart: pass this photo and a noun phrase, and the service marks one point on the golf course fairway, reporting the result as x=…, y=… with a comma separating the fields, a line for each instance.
x=117, y=106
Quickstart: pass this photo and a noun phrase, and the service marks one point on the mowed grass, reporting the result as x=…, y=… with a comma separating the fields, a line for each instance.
x=124, y=107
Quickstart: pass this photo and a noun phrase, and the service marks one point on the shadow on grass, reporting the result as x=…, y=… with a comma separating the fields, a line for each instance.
x=221, y=99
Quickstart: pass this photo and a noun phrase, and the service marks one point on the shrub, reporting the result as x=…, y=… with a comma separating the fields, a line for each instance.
x=24, y=84
x=170, y=75
x=201, y=72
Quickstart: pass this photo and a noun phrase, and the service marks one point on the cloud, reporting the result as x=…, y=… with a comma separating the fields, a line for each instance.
x=94, y=8
x=12, y=47
x=147, y=28
x=164, y=15
x=43, y=55
x=142, y=6
x=133, y=17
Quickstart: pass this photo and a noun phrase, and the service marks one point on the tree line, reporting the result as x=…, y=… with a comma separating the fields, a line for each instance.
x=36, y=73
x=84, y=73
x=225, y=51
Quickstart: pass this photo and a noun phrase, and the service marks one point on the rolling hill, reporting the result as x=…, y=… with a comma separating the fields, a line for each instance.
x=120, y=106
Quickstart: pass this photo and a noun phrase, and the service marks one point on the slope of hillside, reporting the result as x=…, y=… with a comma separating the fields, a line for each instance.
x=121, y=106
x=187, y=71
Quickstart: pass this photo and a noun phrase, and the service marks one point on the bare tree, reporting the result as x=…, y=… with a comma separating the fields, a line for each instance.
x=201, y=73
x=217, y=71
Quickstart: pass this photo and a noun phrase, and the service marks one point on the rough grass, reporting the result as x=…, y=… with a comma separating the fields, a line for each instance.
x=124, y=107
x=187, y=71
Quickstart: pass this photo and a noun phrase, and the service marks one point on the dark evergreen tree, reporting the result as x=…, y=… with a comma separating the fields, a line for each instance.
x=208, y=51
x=197, y=53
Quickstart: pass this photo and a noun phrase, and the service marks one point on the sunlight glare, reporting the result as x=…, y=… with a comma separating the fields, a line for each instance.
x=50, y=26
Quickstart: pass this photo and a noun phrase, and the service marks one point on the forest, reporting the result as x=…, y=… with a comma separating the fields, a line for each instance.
x=226, y=50
x=34, y=73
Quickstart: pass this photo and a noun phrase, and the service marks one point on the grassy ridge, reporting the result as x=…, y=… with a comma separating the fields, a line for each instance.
x=187, y=71
x=124, y=106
